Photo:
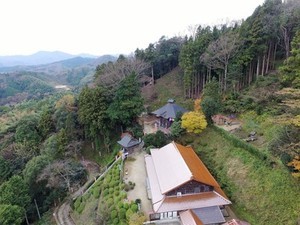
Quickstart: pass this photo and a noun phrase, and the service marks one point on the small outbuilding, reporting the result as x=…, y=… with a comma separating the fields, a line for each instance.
x=128, y=143
x=168, y=113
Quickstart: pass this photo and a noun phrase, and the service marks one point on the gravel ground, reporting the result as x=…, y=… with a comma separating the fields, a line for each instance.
x=135, y=171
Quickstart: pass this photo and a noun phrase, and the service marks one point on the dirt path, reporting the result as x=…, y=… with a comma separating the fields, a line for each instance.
x=62, y=213
x=135, y=171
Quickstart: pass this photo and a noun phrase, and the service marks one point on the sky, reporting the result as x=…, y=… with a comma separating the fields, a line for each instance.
x=101, y=27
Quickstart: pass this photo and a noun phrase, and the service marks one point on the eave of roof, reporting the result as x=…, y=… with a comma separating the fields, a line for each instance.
x=192, y=201
x=156, y=196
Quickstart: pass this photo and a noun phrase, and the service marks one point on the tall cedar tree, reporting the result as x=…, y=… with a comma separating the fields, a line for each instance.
x=127, y=103
x=291, y=68
x=211, y=100
x=93, y=105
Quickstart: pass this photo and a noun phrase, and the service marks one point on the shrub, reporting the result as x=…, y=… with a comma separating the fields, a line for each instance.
x=113, y=214
x=126, y=206
x=158, y=139
x=122, y=186
x=116, y=221
x=122, y=213
x=110, y=202
x=134, y=207
x=120, y=205
x=116, y=193
x=77, y=202
x=127, y=187
x=80, y=208
x=129, y=213
x=106, y=192
x=96, y=193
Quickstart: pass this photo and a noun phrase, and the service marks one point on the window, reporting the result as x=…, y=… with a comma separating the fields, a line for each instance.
x=197, y=190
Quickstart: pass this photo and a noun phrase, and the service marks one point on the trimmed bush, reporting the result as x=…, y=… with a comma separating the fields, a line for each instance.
x=129, y=213
x=77, y=202
x=96, y=192
x=80, y=208
x=113, y=214
x=110, y=202
x=116, y=221
x=126, y=206
x=105, y=192
x=122, y=214
x=122, y=186
x=134, y=207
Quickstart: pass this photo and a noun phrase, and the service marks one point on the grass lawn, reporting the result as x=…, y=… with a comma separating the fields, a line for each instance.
x=261, y=194
x=170, y=86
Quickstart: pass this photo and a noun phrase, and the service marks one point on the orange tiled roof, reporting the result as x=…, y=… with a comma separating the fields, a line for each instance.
x=188, y=217
x=196, y=218
x=199, y=171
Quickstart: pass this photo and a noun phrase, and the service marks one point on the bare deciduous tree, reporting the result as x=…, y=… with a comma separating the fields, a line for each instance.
x=113, y=73
x=62, y=173
x=220, y=52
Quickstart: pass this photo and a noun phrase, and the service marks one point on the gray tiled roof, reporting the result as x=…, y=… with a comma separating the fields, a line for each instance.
x=169, y=110
x=210, y=215
x=127, y=141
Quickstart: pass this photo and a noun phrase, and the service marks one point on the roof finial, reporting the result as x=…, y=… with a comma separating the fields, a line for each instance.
x=171, y=100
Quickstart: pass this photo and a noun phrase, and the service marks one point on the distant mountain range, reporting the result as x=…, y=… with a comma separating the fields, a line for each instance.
x=62, y=68
x=42, y=57
x=40, y=74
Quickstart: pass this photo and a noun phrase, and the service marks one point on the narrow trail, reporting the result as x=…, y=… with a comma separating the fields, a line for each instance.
x=62, y=213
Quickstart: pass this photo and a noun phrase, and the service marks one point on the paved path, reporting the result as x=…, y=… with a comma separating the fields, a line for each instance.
x=136, y=172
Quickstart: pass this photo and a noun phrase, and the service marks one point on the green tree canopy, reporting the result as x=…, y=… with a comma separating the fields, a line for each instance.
x=34, y=167
x=127, y=103
x=291, y=68
x=93, y=105
x=211, y=101
x=15, y=192
x=11, y=214
x=157, y=140
x=45, y=124
x=27, y=131
x=5, y=170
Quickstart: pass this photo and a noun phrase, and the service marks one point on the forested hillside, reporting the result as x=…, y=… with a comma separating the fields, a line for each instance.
x=247, y=69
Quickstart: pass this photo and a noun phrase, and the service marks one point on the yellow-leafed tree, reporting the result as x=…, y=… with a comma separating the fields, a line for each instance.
x=296, y=121
x=194, y=121
x=296, y=164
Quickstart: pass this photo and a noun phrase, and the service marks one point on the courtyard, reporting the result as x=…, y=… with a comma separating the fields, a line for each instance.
x=135, y=171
